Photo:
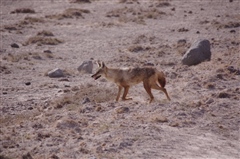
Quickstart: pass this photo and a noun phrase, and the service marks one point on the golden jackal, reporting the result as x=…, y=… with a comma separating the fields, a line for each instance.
x=124, y=78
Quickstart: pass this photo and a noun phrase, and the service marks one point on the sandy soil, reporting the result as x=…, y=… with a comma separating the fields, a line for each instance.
x=77, y=117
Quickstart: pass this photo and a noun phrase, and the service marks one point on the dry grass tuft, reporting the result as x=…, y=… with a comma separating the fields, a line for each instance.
x=39, y=40
x=138, y=48
x=4, y=69
x=45, y=33
x=16, y=57
x=69, y=13
x=28, y=21
x=136, y=15
x=96, y=94
x=159, y=119
x=31, y=20
x=23, y=10
x=24, y=56
x=221, y=25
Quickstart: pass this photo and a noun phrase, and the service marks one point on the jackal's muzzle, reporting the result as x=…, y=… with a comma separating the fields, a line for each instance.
x=96, y=77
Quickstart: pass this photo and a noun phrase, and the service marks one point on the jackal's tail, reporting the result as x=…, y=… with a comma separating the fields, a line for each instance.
x=162, y=80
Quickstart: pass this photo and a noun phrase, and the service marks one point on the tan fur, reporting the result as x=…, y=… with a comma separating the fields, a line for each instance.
x=125, y=78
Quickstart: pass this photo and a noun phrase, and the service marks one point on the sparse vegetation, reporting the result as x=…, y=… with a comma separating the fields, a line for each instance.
x=24, y=56
x=4, y=69
x=39, y=40
x=136, y=15
x=75, y=116
x=27, y=22
x=95, y=94
x=45, y=33
x=69, y=13
x=23, y=10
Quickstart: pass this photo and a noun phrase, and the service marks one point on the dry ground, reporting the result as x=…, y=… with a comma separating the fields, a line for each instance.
x=77, y=117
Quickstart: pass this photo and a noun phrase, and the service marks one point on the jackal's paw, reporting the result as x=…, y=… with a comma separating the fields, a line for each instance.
x=126, y=98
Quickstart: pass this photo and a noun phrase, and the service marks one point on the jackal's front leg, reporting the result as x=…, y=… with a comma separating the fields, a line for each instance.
x=119, y=92
x=125, y=93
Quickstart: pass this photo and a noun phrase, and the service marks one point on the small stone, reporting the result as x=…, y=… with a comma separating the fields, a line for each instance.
x=209, y=101
x=86, y=67
x=47, y=51
x=27, y=156
x=56, y=73
x=54, y=157
x=14, y=45
x=86, y=100
x=30, y=108
x=224, y=95
x=122, y=110
x=98, y=109
x=28, y=83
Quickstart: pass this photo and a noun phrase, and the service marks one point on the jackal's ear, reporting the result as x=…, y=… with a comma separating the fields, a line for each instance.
x=103, y=65
x=99, y=63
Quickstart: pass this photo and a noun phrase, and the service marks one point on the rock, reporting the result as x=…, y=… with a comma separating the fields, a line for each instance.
x=54, y=157
x=14, y=45
x=197, y=53
x=122, y=110
x=56, y=73
x=99, y=108
x=27, y=156
x=47, y=51
x=28, y=83
x=86, y=100
x=86, y=67
x=224, y=95
x=209, y=101
x=231, y=69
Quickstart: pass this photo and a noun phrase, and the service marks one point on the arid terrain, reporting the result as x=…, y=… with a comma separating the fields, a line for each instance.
x=77, y=117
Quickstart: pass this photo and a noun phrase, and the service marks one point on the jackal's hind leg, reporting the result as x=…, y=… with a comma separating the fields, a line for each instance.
x=126, y=88
x=119, y=92
x=148, y=90
x=162, y=89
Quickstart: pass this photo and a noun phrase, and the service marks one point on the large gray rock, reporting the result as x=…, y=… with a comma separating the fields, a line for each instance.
x=197, y=53
x=86, y=67
x=56, y=73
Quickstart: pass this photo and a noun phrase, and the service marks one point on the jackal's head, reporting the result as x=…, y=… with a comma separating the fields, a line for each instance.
x=101, y=70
